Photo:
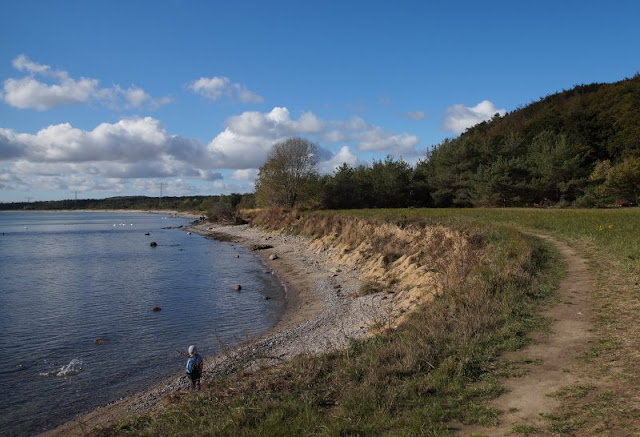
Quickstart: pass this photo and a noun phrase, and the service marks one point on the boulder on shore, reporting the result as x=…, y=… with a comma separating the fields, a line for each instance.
x=273, y=256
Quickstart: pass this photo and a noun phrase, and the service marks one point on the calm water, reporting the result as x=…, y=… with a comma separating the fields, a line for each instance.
x=67, y=279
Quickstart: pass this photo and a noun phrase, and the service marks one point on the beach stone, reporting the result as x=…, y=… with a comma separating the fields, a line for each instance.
x=153, y=244
x=237, y=287
x=156, y=309
x=261, y=246
x=273, y=256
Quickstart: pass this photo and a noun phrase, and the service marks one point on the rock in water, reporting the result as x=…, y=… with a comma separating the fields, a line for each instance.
x=153, y=244
x=156, y=309
x=237, y=287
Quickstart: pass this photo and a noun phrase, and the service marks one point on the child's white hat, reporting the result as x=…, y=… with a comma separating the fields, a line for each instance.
x=192, y=349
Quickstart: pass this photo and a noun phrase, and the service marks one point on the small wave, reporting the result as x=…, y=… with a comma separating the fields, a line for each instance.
x=73, y=368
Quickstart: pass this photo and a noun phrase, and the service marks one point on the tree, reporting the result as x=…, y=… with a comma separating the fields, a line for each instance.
x=623, y=180
x=290, y=167
x=390, y=179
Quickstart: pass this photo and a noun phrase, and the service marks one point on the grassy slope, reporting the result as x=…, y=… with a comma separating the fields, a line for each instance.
x=610, y=242
x=423, y=376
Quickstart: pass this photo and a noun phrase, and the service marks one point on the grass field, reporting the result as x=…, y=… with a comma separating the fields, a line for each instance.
x=442, y=365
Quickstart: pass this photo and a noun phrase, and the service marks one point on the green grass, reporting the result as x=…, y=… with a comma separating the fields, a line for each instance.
x=441, y=365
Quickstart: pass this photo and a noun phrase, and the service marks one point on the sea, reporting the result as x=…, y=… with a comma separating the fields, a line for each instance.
x=78, y=291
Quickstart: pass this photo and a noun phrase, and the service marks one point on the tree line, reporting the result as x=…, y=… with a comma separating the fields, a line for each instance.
x=215, y=203
x=579, y=147
x=574, y=148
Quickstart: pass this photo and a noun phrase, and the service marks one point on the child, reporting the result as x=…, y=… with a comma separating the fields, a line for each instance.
x=194, y=367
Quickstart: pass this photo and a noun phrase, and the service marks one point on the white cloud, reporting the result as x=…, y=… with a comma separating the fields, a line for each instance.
x=345, y=155
x=136, y=96
x=459, y=117
x=372, y=138
x=248, y=174
x=45, y=88
x=130, y=148
x=376, y=139
x=29, y=93
x=214, y=88
x=248, y=137
x=141, y=148
x=22, y=63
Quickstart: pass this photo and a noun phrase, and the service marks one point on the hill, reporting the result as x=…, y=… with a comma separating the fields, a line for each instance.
x=580, y=146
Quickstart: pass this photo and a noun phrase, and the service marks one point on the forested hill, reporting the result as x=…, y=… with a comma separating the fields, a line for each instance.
x=580, y=146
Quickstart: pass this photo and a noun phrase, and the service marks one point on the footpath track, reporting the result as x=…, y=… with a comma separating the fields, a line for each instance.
x=550, y=361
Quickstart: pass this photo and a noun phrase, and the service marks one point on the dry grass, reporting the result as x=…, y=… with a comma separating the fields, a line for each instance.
x=414, y=379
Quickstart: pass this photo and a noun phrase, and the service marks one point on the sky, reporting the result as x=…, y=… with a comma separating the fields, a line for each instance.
x=179, y=98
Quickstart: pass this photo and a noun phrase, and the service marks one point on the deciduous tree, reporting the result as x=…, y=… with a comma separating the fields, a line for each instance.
x=290, y=166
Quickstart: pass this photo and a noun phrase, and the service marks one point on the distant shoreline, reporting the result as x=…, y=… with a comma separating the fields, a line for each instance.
x=173, y=213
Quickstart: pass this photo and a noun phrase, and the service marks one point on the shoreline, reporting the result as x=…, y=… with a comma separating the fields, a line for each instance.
x=173, y=213
x=320, y=314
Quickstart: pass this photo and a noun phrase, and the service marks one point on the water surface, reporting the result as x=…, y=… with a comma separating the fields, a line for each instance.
x=69, y=279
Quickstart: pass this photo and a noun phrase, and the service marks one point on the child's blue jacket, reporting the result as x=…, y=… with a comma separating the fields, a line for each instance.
x=193, y=364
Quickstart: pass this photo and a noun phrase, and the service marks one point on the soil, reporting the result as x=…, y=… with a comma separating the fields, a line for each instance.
x=551, y=361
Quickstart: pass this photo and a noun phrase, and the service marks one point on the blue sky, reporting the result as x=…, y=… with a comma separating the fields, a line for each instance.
x=103, y=99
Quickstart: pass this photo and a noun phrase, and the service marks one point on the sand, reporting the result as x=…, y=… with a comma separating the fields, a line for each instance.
x=322, y=312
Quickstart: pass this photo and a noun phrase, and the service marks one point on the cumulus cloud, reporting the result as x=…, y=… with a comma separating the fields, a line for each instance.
x=372, y=138
x=459, y=117
x=22, y=63
x=45, y=88
x=215, y=88
x=29, y=93
x=247, y=138
x=141, y=148
x=344, y=155
x=130, y=148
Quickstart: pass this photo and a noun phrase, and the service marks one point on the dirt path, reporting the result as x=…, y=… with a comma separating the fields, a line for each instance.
x=551, y=360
